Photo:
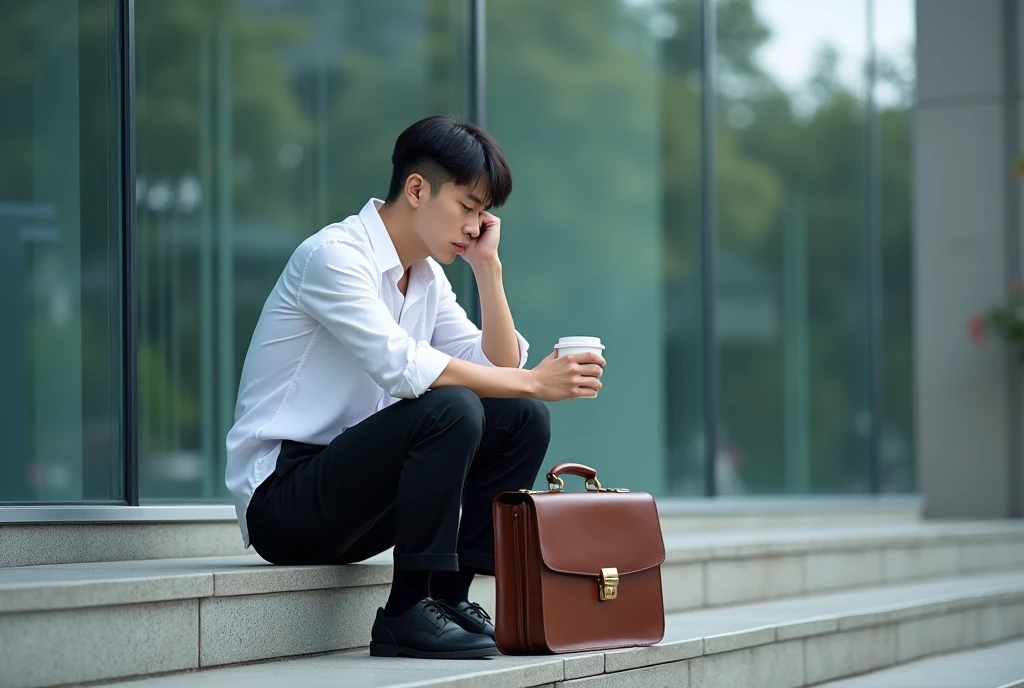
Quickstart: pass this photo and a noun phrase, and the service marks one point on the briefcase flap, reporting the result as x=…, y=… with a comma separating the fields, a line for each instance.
x=585, y=532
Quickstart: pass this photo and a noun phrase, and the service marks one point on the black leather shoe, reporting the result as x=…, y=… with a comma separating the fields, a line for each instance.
x=471, y=616
x=426, y=631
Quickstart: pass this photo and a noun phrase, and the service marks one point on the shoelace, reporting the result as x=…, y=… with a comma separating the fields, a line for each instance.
x=442, y=613
x=479, y=611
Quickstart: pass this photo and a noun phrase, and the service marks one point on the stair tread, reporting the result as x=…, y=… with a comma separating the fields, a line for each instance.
x=62, y=586
x=688, y=635
x=995, y=666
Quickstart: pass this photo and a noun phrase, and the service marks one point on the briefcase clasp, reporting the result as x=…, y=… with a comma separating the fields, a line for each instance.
x=609, y=586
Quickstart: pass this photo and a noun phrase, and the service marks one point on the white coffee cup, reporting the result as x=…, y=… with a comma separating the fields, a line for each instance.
x=578, y=345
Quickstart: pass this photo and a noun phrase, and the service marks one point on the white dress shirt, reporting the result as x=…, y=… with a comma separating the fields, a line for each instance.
x=337, y=342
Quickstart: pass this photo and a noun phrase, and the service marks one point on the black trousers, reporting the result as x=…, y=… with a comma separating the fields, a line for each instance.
x=398, y=480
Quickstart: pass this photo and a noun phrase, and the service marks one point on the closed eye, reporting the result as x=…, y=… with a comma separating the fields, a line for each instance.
x=466, y=208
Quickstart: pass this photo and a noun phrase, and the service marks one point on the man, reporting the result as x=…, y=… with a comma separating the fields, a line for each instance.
x=371, y=408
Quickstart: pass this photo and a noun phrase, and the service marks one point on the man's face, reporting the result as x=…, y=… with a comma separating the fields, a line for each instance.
x=446, y=223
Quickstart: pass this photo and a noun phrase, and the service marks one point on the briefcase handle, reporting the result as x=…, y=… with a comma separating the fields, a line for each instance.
x=556, y=484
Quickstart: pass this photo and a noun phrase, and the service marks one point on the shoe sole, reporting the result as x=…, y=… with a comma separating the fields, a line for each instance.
x=380, y=650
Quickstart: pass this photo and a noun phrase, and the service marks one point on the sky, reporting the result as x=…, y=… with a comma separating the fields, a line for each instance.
x=800, y=27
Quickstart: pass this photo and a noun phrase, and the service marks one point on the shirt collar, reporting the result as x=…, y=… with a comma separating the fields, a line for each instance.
x=384, y=247
x=380, y=240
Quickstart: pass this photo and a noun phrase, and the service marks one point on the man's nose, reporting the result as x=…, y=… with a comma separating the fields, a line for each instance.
x=472, y=229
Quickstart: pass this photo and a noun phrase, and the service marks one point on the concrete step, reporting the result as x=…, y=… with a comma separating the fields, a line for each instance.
x=781, y=644
x=35, y=536
x=38, y=544
x=166, y=615
x=748, y=512
x=996, y=666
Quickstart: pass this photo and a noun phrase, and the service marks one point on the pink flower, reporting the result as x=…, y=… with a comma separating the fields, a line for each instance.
x=976, y=329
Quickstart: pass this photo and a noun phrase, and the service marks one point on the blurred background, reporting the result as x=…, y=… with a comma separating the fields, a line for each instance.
x=777, y=215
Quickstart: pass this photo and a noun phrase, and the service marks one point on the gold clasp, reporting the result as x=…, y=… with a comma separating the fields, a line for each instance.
x=609, y=585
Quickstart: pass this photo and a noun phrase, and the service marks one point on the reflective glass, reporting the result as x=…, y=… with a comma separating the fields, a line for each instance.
x=792, y=302
x=895, y=36
x=259, y=122
x=60, y=229
x=597, y=104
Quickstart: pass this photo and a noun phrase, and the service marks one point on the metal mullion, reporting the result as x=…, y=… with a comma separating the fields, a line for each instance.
x=1011, y=46
x=875, y=359
x=478, y=105
x=709, y=252
x=129, y=290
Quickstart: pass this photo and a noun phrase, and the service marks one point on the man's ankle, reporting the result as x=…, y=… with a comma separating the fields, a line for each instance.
x=407, y=589
x=451, y=586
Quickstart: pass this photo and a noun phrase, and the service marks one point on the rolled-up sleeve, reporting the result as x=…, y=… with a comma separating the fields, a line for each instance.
x=338, y=288
x=457, y=335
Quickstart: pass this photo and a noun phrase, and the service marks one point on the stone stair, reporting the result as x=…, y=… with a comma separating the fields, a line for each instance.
x=791, y=607
x=795, y=642
x=996, y=666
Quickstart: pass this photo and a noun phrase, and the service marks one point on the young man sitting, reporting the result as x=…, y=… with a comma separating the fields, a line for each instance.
x=371, y=409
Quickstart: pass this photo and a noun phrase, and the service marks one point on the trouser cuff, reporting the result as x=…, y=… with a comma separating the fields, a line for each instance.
x=478, y=561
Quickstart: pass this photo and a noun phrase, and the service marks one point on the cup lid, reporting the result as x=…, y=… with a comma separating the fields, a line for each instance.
x=580, y=341
x=562, y=345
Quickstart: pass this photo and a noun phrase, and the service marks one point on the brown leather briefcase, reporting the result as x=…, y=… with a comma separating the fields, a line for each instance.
x=577, y=571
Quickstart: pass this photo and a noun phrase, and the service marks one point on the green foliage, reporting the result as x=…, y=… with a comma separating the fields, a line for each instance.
x=1007, y=320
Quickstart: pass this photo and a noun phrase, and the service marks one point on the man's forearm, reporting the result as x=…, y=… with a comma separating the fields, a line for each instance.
x=500, y=344
x=508, y=383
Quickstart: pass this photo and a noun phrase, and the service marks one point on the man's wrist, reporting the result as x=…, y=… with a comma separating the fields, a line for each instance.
x=530, y=384
x=487, y=268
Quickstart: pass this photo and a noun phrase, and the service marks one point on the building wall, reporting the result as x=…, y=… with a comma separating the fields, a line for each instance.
x=962, y=137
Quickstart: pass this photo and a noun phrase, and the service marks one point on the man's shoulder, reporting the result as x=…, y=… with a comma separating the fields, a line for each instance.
x=348, y=236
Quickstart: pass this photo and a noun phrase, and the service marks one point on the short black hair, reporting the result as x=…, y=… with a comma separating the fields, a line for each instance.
x=444, y=149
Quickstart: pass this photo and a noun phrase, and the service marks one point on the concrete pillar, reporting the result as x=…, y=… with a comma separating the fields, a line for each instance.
x=968, y=425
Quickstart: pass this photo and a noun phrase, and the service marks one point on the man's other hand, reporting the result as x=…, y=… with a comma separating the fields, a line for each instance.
x=484, y=248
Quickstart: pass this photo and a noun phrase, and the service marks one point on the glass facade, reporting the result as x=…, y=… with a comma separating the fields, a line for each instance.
x=893, y=27
x=60, y=257
x=792, y=188
x=591, y=102
x=256, y=122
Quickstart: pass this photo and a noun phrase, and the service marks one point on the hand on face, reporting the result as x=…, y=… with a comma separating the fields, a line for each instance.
x=484, y=247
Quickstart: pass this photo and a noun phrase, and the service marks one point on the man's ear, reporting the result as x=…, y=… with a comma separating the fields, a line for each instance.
x=416, y=189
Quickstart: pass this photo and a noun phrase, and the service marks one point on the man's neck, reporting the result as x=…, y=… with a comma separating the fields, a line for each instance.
x=398, y=222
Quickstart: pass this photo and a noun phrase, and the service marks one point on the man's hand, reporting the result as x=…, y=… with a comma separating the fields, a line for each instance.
x=568, y=377
x=484, y=249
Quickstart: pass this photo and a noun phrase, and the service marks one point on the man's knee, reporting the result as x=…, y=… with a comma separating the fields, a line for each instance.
x=532, y=417
x=457, y=409
x=457, y=398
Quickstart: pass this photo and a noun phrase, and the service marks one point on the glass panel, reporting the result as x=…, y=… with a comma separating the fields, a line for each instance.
x=895, y=36
x=60, y=400
x=597, y=105
x=259, y=122
x=792, y=301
